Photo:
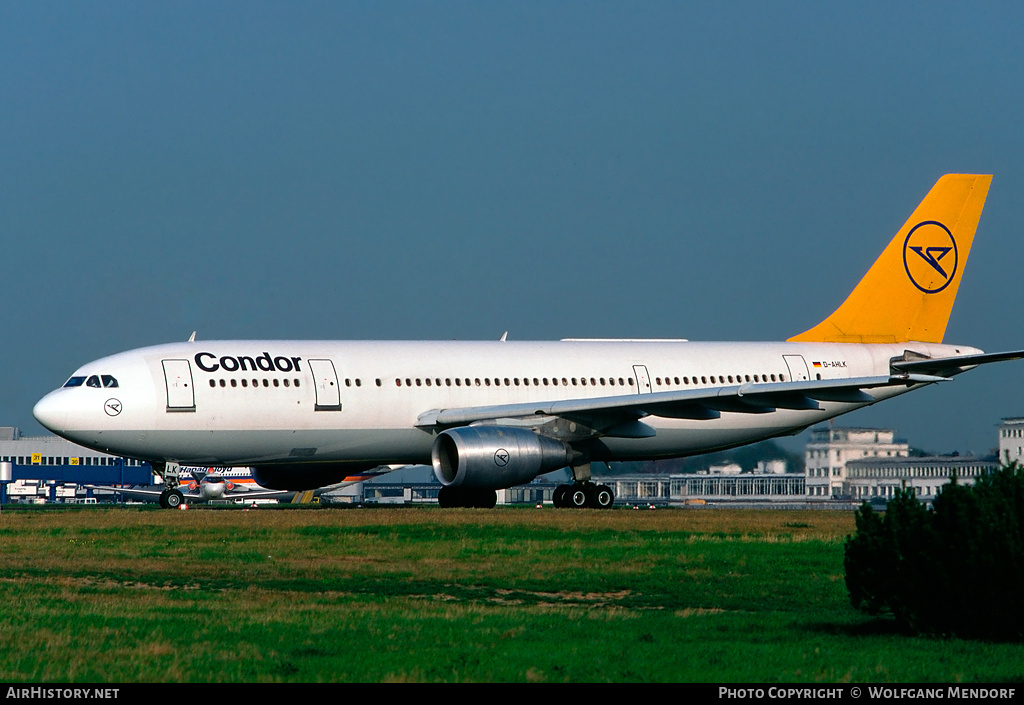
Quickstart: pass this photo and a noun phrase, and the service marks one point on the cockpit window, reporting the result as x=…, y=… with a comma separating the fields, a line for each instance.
x=93, y=381
x=75, y=382
x=108, y=381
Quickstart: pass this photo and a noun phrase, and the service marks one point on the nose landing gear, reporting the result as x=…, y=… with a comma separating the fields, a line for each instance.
x=171, y=499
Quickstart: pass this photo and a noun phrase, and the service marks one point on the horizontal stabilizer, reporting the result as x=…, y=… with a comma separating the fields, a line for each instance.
x=949, y=366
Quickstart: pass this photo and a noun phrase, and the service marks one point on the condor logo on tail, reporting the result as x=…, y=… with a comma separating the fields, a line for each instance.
x=909, y=291
x=930, y=256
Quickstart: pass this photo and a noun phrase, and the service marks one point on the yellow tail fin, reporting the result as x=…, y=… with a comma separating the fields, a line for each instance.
x=909, y=291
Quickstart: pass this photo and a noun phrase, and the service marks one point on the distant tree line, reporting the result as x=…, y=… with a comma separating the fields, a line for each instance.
x=956, y=568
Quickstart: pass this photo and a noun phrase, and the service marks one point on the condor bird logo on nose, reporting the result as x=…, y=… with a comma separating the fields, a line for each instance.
x=930, y=256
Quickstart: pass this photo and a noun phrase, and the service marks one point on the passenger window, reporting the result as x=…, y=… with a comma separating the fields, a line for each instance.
x=93, y=381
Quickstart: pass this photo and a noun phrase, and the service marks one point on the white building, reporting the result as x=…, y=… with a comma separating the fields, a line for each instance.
x=881, y=477
x=1011, y=440
x=830, y=449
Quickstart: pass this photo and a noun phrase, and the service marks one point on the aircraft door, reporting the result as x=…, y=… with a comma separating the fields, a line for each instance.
x=325, y=381
x=643, y=380
x=797, y=368
x=178, y=378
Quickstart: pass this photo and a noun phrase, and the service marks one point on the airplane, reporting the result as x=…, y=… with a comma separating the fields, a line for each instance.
x=489, y=415
x=207, y=484
x=230, y=484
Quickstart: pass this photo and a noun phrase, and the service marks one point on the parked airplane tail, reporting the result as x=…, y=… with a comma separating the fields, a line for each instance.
x=909, y=291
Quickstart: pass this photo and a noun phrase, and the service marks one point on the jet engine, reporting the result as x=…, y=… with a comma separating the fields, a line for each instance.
x=494, y=457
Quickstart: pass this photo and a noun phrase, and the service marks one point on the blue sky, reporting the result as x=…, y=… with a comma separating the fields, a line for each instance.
x=707, y=170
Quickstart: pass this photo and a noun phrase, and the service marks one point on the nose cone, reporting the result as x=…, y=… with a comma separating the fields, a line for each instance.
x=51, y=411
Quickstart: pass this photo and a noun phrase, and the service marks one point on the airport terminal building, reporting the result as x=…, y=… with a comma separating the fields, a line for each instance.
x=49, y=468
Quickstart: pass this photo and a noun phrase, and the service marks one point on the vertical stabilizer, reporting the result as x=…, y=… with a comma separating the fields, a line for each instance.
x=909, y=291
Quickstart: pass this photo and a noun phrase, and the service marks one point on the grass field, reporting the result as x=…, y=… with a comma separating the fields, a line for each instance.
x=423, y=594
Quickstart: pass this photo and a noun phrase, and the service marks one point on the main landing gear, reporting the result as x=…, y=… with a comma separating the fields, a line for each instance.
x=466, y=497
x=580, y=495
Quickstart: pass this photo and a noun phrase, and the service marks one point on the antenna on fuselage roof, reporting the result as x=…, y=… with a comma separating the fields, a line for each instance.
x=503, y=337
x=192, y=338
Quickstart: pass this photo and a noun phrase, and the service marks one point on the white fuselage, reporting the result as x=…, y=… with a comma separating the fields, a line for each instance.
x=252, y=402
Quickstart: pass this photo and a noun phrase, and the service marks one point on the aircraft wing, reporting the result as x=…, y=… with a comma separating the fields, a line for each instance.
x=257, y=494
x=704, y=403
x=144, y=493
x=153, y=493
x=949, y=366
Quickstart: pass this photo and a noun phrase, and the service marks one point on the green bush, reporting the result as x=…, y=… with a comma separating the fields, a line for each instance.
x=956, y=569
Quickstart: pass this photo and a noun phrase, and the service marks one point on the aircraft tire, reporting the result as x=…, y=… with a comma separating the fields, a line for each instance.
x=558, y=497
x=450, y=497
x=446, y=498
x=604, y=498
x=577, y=497
x=171, y=499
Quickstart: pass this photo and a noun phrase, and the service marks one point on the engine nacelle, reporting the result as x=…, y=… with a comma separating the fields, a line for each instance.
x=298, y=477
x=494, y=457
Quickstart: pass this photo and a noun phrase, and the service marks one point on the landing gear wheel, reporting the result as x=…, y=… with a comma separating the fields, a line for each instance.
x=171, y=499
x=577, y=497
x=603, y=497
x=559, y=496
x=448, y=497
